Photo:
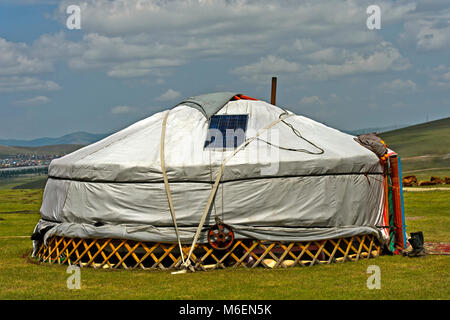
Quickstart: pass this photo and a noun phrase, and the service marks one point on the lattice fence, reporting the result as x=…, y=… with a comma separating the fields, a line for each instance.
x=127, y=254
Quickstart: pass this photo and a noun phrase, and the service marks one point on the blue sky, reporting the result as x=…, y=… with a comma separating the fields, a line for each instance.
x=134, y=58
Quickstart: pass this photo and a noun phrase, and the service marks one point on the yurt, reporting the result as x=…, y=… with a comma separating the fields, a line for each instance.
x=221, y=180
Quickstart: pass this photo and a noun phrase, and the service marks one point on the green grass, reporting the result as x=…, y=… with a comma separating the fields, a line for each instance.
x=420, y=140
x=27, y=201
x=433, y=208
x=30, y=181
x=439, y=162
x=427, y=174
x=37, y=183
x=401, y=278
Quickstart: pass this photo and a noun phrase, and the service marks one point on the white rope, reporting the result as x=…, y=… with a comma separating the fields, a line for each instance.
x=166, y=184
x=216, y=183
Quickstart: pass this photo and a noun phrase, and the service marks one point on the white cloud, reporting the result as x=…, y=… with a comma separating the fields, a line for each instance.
x=15, y=59
x=311, y=100
x=395, y=11
x=142, y=38
x=18, y=61
x=140, y=68
x=55, y=47
x=122, y=109
x=398, y=85
x=304, y=45
x=265, y=68
x=427, y=35
x=202, y=17
x=373, y=59
x=121, y=72
x=429, y=29
x=15, y=84
x=34, y=101
x=331, y=99
x=430, y=38
x=383, y=58
x=169, y=95
x=328, y=55
x=439, y=77
x=140, y=43
x=134, y=56
x=139, y=38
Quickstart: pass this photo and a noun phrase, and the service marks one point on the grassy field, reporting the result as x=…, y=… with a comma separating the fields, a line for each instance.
x=421, y=139
x=30, y=181
x=401, y=278
x=22, y=201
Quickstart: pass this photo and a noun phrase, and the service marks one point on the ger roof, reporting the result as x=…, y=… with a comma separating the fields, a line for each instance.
x=209, y=104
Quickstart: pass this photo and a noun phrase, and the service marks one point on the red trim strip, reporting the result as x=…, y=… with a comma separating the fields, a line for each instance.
x=243, y=97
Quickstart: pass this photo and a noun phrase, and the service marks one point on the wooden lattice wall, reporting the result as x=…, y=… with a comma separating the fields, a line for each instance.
x=127, y=254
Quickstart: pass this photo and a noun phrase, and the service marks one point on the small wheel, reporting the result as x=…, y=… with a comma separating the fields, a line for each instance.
x=220, y=236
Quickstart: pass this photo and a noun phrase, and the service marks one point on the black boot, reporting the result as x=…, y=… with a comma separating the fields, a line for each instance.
x=421, y=237
x=416, y=242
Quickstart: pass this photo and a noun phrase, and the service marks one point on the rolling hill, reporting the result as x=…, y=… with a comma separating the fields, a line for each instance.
x=77, y=138
x=423, y=146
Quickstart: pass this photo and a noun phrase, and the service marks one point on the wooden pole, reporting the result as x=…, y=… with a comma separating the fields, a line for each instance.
x=274, y=91
x=398, y=217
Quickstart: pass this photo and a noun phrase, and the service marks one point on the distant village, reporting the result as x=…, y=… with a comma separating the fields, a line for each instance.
x=26, y=160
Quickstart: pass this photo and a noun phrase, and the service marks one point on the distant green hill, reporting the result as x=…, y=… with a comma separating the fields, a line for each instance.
x=430, y=138
x=79, y=138
x=45, y=150
x=422, y=146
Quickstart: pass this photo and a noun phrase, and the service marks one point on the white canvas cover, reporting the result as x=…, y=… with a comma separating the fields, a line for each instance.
x=114, y=188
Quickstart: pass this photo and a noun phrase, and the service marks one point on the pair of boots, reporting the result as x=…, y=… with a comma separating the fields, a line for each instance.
x=416, y=242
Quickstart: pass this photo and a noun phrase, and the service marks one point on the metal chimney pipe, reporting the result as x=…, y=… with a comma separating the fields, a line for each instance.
x=274, y=91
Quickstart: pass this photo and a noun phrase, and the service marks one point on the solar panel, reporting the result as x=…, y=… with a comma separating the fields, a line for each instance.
x=226, y=131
